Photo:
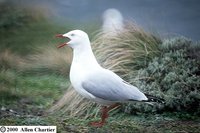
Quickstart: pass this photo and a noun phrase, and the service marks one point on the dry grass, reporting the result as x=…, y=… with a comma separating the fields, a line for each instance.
x=47, y=60
x=74, y=105
x=10, y=60
x=128, y=51
x=124, y=53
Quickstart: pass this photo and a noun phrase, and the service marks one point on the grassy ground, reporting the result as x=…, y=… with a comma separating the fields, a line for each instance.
x=25, y=98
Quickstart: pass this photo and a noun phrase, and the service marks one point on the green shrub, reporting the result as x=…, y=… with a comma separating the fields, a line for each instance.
x=173, y=75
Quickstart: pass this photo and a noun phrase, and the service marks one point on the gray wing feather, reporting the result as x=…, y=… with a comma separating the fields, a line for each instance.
x=109, y=86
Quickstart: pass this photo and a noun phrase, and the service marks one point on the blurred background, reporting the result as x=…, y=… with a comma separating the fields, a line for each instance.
x=166, y=17
x=161, y=38
x=169, y=18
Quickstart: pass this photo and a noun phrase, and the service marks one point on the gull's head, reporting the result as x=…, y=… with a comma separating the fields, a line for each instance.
x=75, y=38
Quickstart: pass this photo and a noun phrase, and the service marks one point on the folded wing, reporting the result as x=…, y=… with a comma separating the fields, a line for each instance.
x=109, y=86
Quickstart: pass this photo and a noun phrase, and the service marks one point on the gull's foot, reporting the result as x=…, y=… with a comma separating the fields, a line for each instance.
x=97, y=124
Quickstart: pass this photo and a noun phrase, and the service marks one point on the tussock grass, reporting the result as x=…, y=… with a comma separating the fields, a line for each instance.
x=9, y=60
x=74, y=105
x=125, y=53
x=47, y=59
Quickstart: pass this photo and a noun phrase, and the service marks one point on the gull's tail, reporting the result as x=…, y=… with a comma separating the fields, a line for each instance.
x=154, y=99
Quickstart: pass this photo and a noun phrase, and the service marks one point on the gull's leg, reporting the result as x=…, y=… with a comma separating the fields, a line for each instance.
x=104, y=115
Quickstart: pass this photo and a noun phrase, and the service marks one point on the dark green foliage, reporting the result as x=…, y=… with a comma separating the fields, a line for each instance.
x=22, y=29
x=174, y=76
x=12, y=17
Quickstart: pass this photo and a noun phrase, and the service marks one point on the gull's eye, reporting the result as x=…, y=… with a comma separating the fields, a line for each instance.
x=72, y=34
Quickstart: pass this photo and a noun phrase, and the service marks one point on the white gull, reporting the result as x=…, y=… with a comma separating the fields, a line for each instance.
x=94, y=82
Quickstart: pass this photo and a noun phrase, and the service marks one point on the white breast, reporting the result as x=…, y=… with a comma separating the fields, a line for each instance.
x=83, y=64
x=77, y=76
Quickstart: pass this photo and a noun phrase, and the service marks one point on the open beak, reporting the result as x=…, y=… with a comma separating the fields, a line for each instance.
x=62, y=44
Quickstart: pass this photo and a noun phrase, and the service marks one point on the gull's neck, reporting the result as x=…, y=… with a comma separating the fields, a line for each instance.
x=84, y=57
